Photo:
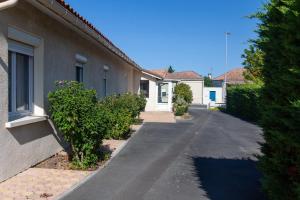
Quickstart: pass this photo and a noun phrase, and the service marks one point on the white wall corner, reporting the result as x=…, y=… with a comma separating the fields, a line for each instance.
x=38, y=106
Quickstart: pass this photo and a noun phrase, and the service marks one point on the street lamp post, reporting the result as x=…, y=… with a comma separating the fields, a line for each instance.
x=226, y=65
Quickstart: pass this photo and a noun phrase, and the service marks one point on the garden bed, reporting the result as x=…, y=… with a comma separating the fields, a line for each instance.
x=185, y=116
x=62, y=161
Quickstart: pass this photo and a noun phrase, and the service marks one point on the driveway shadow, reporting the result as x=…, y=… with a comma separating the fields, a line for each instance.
x=228, y=179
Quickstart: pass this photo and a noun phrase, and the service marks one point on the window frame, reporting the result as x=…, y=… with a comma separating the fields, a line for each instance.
x=148, y=88
x=167, y=92
x=15, y=48
x=80, y=67
x=105, y=81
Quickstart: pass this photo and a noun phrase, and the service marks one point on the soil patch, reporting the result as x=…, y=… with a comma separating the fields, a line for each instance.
x=62, y=160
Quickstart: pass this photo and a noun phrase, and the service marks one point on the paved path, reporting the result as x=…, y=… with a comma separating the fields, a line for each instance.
x=209, y=157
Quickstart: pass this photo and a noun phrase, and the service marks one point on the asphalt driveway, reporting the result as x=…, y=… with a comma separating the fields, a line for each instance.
x=209, y=157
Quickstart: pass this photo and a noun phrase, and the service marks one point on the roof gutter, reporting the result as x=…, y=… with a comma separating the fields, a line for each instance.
x=8, y=4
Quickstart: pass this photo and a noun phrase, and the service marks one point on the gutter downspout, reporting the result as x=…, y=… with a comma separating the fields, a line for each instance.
x=8, y=4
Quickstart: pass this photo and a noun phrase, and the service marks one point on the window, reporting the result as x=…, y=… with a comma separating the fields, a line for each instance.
x=163, y=92
x=20, y=79
x=79, y=73
x=144, y=87
x=105, y=83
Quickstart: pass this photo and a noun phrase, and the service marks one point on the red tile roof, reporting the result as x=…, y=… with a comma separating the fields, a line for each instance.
x=75, y=13
x=184, y=75
x=159, y=72
x=152, y=73
x=233, y=76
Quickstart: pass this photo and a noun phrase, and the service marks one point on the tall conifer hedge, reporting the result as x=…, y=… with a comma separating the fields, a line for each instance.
x=279, y=39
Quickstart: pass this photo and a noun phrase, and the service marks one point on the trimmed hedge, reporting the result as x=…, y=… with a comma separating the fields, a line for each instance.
x=279, y=39
x=243, y=101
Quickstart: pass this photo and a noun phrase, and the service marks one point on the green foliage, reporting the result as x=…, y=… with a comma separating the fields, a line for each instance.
x=134, y=103
x=244, y=101
x=253, y=62
x=279, y=39
x=122, y=111
x=184, y=91
x=208, y=82
x=118, y=120
x=73, y=111
x=142, y=101
x=84, y=121
x=180, y=106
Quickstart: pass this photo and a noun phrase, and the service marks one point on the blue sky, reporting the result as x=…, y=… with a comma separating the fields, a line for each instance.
x=187, y=34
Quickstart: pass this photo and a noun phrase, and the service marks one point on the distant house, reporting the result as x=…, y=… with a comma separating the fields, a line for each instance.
x=42, y=41
x=158, y=86
x=216, y=95
x=234, y=76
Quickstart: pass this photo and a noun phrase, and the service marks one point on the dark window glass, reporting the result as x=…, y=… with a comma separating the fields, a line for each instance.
x=145, y=88
x=22, y=82
x=104, y=87
x=79, y=74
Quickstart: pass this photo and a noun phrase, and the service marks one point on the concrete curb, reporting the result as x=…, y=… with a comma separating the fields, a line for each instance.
x=87, y=178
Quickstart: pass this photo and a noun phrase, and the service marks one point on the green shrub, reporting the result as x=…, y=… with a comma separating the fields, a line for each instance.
x=180, y=106
x=184, y=91
x=123, y=110
x=133, y=103
x=142, y=101
x=74, y=112
x=180, y=110
x=118, y=121
x=244, y=101
x=121, y=122
x=279, y=40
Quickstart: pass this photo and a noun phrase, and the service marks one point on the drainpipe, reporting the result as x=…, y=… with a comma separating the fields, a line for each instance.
x=8, y=4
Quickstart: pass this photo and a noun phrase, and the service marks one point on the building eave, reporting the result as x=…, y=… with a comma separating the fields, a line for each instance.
x=63, y=15
x=152, y=75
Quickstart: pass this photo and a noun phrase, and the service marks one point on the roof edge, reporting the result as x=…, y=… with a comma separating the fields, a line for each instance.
x=149, y=73
x=70, y=16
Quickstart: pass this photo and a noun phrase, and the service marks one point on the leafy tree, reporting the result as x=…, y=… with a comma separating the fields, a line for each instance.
x=254, y=59
x=208, y=82
x=279, y=40
x=171, y=69
x=184, y=91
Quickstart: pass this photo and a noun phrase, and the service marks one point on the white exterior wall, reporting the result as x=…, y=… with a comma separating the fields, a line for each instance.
x=152, y=101
x=54, y=59
x=165, y=106
x=219, y=95
x=197, y=89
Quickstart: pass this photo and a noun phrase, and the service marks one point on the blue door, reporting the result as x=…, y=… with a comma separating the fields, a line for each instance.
x=212, y=95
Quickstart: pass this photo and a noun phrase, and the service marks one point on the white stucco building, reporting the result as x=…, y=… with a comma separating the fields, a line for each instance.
x=158, y=86
x=213, y=96
x=41, y=42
